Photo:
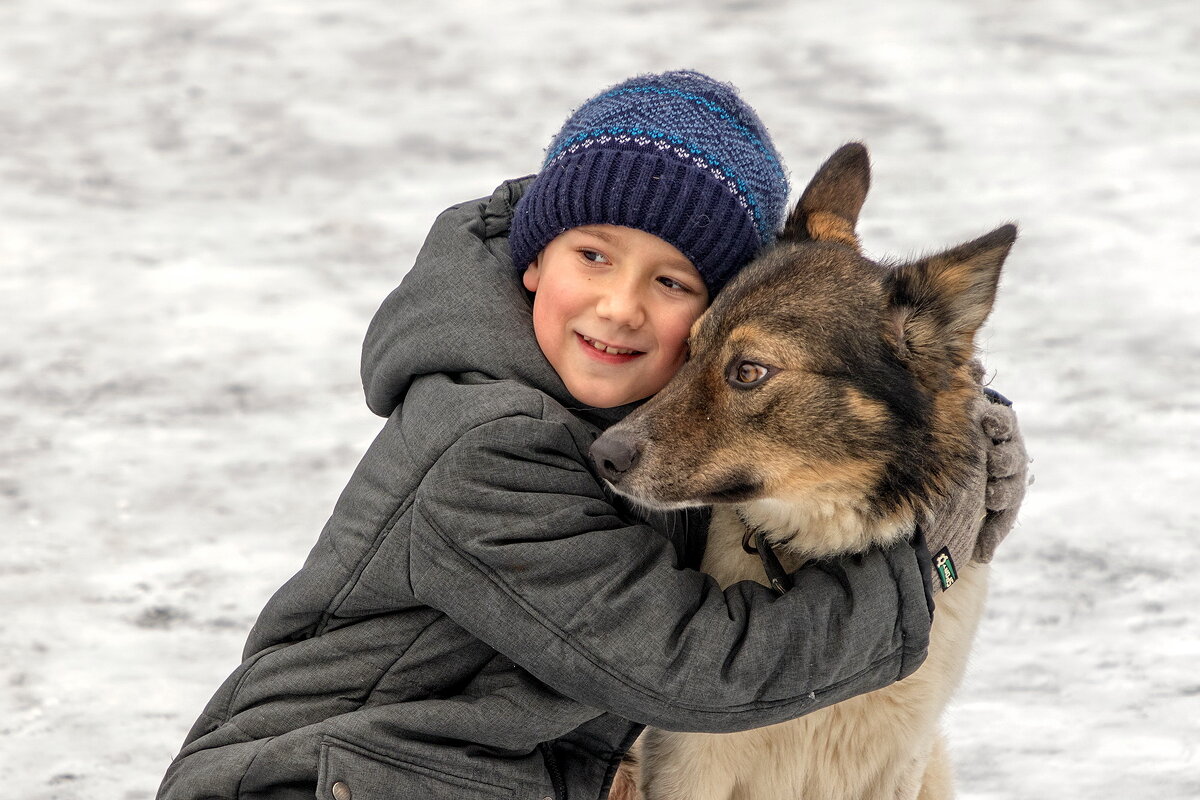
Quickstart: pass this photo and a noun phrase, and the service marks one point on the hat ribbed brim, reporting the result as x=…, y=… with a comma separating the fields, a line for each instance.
x=678, y=203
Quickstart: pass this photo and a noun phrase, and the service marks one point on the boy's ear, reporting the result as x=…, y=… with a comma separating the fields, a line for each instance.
x=532, y=274
x=940, y=302
x=828, y=209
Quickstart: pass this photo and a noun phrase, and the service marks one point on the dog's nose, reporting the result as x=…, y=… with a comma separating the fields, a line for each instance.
x=614, y=454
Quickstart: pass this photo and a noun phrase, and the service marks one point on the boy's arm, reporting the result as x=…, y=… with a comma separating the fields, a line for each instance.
x=513, y=538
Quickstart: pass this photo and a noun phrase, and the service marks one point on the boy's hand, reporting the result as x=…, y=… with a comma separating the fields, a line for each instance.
x=973, y=521
x=953, y=528
x=1007, y=474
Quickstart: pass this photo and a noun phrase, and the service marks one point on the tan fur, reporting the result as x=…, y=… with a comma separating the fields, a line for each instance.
x=868, y=411
x=750, y=336
x=863, y=422
x=827, y=227
x=789, y=470
x=625, y=782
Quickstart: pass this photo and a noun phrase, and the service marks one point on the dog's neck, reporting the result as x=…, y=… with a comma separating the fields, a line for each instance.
x=817, y=528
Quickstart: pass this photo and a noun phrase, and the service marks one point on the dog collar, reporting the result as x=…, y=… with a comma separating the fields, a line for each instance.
x=754, y=541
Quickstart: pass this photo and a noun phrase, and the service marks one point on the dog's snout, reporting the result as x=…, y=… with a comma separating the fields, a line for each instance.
x=614, y=454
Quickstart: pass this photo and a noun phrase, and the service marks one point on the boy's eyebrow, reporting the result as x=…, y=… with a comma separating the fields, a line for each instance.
x=599, y=233
x=615, y=241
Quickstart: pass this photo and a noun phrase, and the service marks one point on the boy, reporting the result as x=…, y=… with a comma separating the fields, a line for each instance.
x=479, y=618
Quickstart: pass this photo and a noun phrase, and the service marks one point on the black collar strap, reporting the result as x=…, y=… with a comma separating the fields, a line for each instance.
x=780, y=580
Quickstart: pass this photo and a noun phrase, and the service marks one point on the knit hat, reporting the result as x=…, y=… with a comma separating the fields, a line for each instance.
x=678, y=155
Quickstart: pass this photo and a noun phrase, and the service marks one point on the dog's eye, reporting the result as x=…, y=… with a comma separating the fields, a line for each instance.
x=747, y=374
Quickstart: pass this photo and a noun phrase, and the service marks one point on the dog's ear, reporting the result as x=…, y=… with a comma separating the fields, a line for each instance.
x=938, y=303
x=828, y=209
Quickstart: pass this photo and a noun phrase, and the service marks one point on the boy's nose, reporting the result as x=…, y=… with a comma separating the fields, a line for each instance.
x=614, y=454
x=623, y=306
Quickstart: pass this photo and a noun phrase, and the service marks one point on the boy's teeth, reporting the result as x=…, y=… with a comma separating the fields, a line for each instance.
x=611, y=350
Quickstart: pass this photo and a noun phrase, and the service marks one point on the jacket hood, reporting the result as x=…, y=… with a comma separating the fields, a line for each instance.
x=462, y=309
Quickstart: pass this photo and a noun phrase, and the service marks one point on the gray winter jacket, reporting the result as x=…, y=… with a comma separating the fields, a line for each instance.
x=479, y=619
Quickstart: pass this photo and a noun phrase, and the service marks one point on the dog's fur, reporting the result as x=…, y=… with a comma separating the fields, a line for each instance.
x=828, y=399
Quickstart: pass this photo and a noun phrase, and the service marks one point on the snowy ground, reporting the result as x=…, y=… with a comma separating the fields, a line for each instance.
x=202, y=202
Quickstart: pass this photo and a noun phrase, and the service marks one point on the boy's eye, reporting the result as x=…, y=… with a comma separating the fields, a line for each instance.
x=593, y=256
x=674, y=285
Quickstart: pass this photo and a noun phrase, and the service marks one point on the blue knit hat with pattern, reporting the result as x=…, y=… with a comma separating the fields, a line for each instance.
x=678, y=155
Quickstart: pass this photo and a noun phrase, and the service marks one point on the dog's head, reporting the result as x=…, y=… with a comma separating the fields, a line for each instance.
x=818, y=374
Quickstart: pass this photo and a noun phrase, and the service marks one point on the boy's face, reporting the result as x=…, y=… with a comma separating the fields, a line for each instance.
x=612, y=309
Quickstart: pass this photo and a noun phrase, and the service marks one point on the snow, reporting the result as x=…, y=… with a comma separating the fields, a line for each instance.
x=203, y=202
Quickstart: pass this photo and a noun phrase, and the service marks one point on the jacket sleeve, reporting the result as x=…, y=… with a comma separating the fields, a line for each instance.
x=513, y=538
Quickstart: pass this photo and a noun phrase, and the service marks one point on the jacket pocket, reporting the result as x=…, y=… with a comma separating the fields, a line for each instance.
x=349, y=772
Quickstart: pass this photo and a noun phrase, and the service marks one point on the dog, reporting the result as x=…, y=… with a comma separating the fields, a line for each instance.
x=827, y=401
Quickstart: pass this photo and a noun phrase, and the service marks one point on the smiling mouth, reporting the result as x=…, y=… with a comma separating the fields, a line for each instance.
x=607, y=348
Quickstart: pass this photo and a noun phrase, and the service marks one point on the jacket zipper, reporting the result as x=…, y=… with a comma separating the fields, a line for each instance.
x=560, y=789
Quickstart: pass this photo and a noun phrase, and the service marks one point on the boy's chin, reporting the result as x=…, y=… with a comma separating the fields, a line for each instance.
x=597, y=397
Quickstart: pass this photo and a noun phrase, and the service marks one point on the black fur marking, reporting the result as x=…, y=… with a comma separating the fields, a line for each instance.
x=911, y=461
x=739, y=487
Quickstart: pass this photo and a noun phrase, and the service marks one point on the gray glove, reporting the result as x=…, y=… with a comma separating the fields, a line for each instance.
x=972, y=521
x=951, y=530
x=1007, y=475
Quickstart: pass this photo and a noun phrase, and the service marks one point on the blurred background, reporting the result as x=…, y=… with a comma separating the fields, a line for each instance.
x=203, y=202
